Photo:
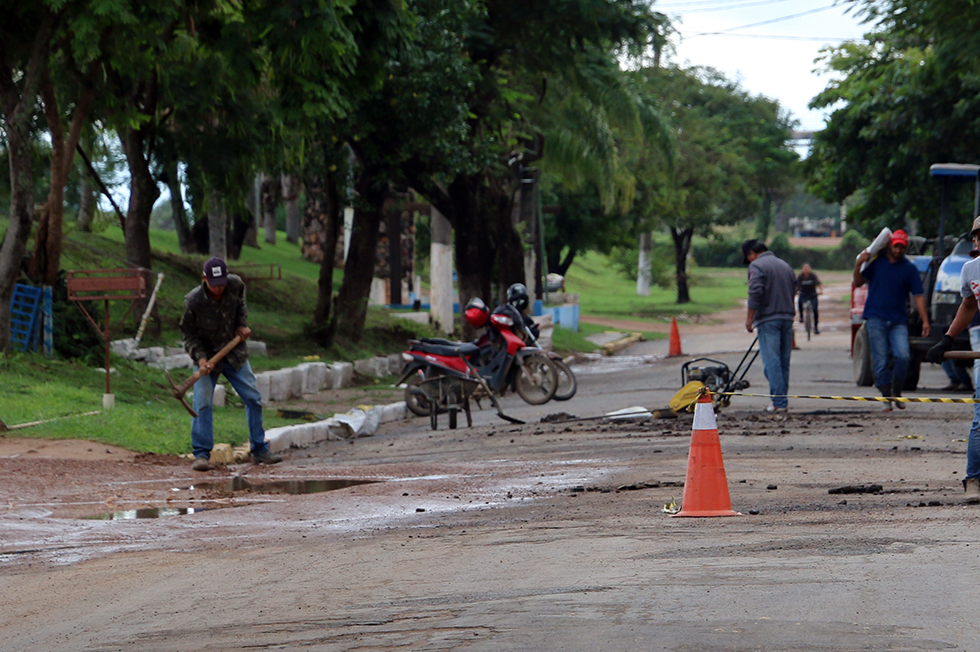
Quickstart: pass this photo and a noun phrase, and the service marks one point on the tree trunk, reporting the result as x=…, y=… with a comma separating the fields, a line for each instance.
x=46, y=260
x=510, y=248
x=474, y=248
x=567, y=261
x=254, y=201
x=185, y=238
x=86, y=207
x=217, y=225
x=352, y=301
x=269, y=200
x=290, y=193
x=765, y=218
x=682, y=245
x=528, y=202
x=143, y=193
x=441, y=272
x=237, y=225
x=17, y=109
x=322, y=215
x=643, y=267
x=780, y=220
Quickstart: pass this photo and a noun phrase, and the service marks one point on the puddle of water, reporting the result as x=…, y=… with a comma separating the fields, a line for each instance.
x=293, y=487
x=146, y=512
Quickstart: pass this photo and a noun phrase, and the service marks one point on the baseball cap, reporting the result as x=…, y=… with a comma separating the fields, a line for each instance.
x=900, y=237
x=216, y=272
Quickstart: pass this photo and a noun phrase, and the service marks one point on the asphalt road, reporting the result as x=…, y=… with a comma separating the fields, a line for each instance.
x=534, y=537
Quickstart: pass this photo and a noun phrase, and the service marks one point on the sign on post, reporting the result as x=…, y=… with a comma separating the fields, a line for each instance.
x=106, y=285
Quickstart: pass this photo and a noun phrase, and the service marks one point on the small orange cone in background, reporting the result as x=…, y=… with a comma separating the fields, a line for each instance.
x=705, y=487
x=675, y=339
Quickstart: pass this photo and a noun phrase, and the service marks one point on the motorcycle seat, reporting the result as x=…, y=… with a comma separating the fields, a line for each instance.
x=452, y=349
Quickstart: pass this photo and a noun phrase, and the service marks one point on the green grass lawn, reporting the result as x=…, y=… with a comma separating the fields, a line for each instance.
x=146, y=418
x=605, y=292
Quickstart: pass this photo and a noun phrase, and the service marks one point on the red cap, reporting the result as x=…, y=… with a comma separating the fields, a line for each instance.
x=900, y=237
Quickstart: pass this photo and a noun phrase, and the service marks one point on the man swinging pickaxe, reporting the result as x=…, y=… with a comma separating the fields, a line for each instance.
x=180, y=390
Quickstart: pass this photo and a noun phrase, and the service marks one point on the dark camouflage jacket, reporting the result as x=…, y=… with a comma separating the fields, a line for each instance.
x=207, y=325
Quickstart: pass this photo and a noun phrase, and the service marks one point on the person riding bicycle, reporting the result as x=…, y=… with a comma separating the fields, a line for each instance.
x=809, y=287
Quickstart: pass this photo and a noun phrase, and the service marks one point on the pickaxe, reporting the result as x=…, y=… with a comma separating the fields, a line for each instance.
x=180, y=390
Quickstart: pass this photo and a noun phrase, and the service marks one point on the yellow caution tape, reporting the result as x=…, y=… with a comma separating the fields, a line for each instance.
x=878, y=399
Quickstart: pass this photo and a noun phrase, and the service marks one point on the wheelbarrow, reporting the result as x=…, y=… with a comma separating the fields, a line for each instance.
x=451, y=393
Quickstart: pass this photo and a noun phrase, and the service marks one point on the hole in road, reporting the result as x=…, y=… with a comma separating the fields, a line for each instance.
x=233, y=485
x=294, y=487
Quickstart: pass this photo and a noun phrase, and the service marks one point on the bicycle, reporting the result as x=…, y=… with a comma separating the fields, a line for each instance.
x=808, y=319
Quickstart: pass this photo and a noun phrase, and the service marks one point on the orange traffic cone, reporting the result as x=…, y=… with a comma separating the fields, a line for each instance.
x=706, y=487
x=675, y=339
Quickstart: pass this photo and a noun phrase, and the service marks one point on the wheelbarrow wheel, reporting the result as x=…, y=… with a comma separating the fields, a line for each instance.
x=452, y=408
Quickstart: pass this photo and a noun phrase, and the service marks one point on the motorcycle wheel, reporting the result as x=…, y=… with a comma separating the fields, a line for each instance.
x=537, y=381
x=417, y=404
x=567, y=385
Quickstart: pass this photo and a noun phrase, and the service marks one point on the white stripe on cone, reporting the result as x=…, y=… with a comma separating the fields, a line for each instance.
x=704, y=417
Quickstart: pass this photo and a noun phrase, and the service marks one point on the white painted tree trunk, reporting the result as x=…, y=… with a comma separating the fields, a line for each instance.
x=643, y=273
x=441, y=283
x=290, y=194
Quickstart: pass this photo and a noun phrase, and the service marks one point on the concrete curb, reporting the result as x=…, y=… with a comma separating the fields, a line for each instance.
x=362, y=421
x=279, y=384
x=620, y=344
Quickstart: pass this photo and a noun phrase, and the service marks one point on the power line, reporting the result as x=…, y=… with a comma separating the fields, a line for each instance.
x=685, y=5
x=780, y=37
x=682, y=8
x=767, y=22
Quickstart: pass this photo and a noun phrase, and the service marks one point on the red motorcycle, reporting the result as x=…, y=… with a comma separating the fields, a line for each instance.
x=447, y=374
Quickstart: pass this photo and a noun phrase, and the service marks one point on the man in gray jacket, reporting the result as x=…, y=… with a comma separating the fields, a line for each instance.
x=772, y=286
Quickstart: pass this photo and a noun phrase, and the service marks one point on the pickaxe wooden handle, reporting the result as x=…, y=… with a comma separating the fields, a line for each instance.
x=180, y=390
x=961, y=355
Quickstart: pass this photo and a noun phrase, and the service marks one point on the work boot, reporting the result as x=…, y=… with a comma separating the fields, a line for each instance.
x=972, y=488
x=886, y=392
x=201, y=464
x=265, y=457
x=897, y=392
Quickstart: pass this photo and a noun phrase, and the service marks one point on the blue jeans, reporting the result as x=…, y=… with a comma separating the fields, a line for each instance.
x=889, y=343
x=973, y=443
x=775, y=346
x=202, y=428
x=957, y=375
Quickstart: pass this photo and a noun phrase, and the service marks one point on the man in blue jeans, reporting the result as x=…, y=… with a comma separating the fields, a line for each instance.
x=891, y=277
x=965, y=315
x=214, y=313
x=772, y=286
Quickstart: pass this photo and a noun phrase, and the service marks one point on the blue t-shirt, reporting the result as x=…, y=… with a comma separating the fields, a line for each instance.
x=889, y=285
